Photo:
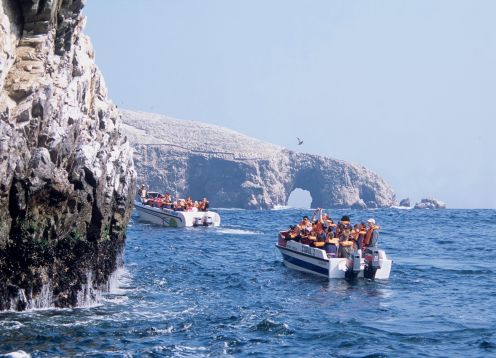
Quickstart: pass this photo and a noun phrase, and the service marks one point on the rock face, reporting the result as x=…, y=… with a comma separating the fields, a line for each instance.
x=233, y=170
x=405, y=203
x=430, y=204
x=66, y=172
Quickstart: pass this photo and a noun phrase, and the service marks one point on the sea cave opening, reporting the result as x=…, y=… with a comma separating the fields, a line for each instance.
x=300, y=198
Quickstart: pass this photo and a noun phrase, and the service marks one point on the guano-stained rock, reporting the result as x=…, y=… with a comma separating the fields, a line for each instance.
x=66, y=172
x=234, y=170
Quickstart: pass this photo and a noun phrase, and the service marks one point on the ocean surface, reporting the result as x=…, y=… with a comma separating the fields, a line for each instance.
x=224, y=292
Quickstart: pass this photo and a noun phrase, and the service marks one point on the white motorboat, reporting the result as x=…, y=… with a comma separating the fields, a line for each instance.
x=374, y=265
x=172, y=218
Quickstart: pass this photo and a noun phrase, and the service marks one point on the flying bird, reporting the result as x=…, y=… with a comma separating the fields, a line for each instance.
x=300, y=141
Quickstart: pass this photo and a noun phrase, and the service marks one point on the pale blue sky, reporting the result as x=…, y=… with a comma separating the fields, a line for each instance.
x=406, y=88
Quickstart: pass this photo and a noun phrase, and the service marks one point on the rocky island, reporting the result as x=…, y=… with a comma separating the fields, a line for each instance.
x=66, y=172
x=429, y=203
x=234, y=170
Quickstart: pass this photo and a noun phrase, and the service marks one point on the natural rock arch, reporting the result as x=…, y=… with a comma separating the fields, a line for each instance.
x=299, y=198
x=234, y=170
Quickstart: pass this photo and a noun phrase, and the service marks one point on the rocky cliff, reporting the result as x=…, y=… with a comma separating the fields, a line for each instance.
x=66, y=172
x=234, y=170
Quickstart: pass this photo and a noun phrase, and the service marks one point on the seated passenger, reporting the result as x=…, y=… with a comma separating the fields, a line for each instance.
x=204, y=204
x=346, y=242
x=195, y=206
x=305, y=223
x=294, y=233
x=180, y=205
x=307, y=236
x=167, y=201
x=331, y=246
x=359, y=233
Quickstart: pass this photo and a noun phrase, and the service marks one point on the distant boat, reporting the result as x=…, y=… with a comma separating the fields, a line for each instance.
x=301, y=257
x=172, y=218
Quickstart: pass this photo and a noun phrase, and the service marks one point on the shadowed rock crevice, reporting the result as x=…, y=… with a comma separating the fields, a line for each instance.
x=66, y=173
x=234, y=170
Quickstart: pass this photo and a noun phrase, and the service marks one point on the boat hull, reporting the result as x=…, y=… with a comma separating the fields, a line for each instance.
x=171, y=218
x=313, y=260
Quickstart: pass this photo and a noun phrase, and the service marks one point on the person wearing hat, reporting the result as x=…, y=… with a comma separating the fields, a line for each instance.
x=372, y=235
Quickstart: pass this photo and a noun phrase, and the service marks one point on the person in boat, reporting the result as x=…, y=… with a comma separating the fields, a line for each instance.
x=180, y=205
x=359, y=232
x=372, y=235
x=142, y=193
x=167, y=201
x=346, y=242
x=305, y=230
x=318, y=229
x=305, y=223
x=204, y=205
x=328, y=224
x=188, y=204
x=294, y=233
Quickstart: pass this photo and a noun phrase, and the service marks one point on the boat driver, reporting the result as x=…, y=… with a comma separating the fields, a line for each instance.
x=142, y=193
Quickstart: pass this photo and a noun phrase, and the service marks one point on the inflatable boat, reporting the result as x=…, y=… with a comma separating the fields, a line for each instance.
x=372, y=263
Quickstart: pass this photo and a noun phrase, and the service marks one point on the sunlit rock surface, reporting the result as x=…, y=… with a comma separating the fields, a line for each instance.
x=234, y=170
x=430, y=204
x=66, y=172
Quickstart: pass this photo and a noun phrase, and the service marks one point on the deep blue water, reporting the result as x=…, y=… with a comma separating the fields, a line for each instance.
x=224, y=291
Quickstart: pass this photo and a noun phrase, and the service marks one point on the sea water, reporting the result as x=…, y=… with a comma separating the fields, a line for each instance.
x=224, y=291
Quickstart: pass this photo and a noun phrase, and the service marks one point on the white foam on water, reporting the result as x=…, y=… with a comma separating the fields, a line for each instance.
x=281, y=207
x=237, y=232
x=17, y=354
x=119, y=281
x=11, y=325
x=402, y=207
x=228, y=209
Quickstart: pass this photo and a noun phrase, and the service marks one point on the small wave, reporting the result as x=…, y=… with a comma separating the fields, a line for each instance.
x=16, y=354
x=268, y=325
x=237, y=232
x=402, y=207
x=11, y=325
x=281, y=207
x=228, y=209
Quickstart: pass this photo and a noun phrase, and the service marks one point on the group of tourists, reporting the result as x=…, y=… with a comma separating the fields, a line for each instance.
x=337, y=239
x=167, y=202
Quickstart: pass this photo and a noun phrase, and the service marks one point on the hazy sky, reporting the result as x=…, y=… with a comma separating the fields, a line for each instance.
x=406, y=88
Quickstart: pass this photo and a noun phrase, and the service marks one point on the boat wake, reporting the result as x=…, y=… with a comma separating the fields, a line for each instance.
x=237, y=232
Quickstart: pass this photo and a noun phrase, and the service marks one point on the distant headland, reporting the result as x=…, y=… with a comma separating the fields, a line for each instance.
x=234, y=170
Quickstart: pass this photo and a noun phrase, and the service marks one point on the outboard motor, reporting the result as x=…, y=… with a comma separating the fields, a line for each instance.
x=197, y=221
x=353, y=264
x=372, y=263
x=208, y=221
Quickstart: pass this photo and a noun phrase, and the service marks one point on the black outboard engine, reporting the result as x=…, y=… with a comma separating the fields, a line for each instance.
x=372, y=263
x=353, y=263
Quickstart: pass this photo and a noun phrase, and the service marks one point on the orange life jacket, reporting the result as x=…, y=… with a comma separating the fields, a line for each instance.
x=369, y=233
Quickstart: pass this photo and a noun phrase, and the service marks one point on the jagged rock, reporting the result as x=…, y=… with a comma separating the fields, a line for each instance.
x=234, y=170
x=405, y=202
x=430, y=204
x=66, y=172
